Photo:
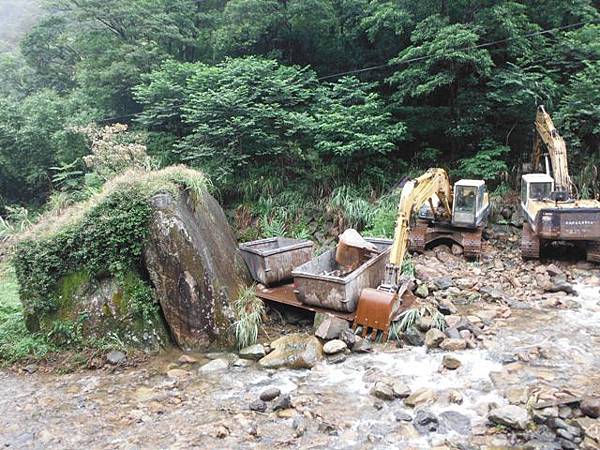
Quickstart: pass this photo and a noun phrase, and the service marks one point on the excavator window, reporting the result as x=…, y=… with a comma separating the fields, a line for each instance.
x=539, y=191
x=465, y=201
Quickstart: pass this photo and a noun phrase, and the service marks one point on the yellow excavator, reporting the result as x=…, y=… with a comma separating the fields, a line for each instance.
x=550, y=204
x=453, y=214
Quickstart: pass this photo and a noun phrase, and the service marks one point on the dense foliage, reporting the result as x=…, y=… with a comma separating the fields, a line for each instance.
x=254, y=91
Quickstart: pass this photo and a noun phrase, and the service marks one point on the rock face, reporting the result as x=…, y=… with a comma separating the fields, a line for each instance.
x=296, y=351
x=511, y=416
x=195, y=265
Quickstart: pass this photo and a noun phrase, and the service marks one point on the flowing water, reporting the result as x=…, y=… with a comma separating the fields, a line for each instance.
x=541, y=349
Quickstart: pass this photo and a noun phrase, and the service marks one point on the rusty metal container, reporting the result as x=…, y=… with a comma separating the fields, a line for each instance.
x=316, y=285
x=272, y=260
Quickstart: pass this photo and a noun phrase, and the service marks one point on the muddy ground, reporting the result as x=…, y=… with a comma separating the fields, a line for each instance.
x=537, y=349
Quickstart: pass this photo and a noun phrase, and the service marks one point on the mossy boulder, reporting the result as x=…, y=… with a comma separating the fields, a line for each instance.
x=150, y=245
x=196, y=268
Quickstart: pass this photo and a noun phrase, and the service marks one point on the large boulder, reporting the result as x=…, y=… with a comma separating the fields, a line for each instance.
x=195, y=265
x=296, y=351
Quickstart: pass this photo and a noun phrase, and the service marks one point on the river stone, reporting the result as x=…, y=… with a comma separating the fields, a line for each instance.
x=334, y=346
x=214, y=365
x=511, y=416
x=442, y=283
x=362, y=345
x=187, y=359
x=454, y=421
x=419, y=397
x=446, y=307
x=422, y=291
x=255, y=352
x=283, y=402
x=269, y=394
x=258, y=405
x=383, y=391
x=348, y=337
x=296, y=351
x=116, y=358
x=590, y=406
x=401, y=389
x=331, y=327
x=434, y=337
x=414, y=337
x=453, y=345
x=590, y=427
x=450, y=362
x=196, y=267
x=336, y=358
x=402, y=416
x=425, y=421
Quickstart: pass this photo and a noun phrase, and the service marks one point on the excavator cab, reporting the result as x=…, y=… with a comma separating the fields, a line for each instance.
x=470, y=203
x=536, y=186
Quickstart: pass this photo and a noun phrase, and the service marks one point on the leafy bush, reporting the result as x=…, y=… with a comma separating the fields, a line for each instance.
x=486, y=164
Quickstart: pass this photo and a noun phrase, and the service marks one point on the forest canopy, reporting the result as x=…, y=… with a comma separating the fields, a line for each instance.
x=254, y=92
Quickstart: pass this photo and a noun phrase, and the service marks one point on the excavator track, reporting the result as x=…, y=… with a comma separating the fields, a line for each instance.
x=530, y=243
x=472, y=243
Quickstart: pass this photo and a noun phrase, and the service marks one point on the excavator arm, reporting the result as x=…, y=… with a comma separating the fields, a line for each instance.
x=414, y=194
x=557, y=150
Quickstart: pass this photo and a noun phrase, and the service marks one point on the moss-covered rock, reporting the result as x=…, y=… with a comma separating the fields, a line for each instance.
x=150, y=242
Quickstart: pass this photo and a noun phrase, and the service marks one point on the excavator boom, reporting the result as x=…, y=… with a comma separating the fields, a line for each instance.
x=557, y=151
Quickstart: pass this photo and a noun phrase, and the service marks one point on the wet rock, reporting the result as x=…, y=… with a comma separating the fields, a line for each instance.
x=214, y=365
x=453, y=345
x=493, y=293
x=336, y=358
x=425, y=421
x=258, y=405
x=296, y=351
x=115, y=358
x=424, y=323
x=178, y=373
x=450, y=362
x=383, y=391
x=255, y=352
x=442, y=283
x=187, y=359
x=446, y=307
x=455, y=396
x=331, y=327
x=402, y=416
x=457, y=250
x=413, y=336
x=454, y=421
x=239, y=362
x=434, y=337
x=362, y=345
x=299, y=426
x=420, y=397
x=516, y=395
x=590, y=406
x=283, y=402
x=560, y=286
x=542, y=415
x=348, y=337
x=401, y=390
x=196, y=267
x=269, y=394
x=591, y=428
x=511, y=416
x=452, y=333
x=553, y=270
x=422, y=291
x=334, y=346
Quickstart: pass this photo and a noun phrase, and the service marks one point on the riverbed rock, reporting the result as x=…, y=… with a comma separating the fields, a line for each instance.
x=425, y=421
x=590, y=427
x=196, y=267
x=258, y=405
x=214, y=365
x=331, y=327
x=453, y=345
x=116, y=357
x=402, y=416
x=383, y=391
x=590, y=406
x=422, y=291
x=282, y=402
x=454, y=421
x=348, y=337
x=420, y=397
x=362, y=345
x=269, y=394
x=296, y=351
x=255, y=352
x=446, y=307
x=187, y=359
x=450, y=362
x=442, y=283
x=412, y=336
x=434, y=337
x=334, y=346
x=511, y=416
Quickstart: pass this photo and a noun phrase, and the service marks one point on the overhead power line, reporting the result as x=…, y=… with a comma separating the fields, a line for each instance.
x=473, y=47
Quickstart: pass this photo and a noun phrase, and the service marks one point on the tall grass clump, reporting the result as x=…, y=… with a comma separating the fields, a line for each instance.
x=249, y=311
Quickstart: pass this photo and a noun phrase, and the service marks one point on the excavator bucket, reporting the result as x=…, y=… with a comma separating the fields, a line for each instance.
x=377, y=308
